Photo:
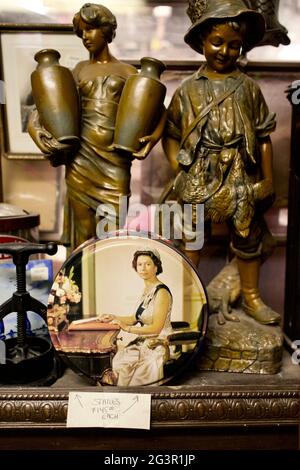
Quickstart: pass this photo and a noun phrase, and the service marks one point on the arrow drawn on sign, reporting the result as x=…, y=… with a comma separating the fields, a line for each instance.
x=134, y=401
x=78, y=397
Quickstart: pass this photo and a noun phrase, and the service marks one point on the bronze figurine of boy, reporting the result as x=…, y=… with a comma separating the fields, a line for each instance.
x=217, y=138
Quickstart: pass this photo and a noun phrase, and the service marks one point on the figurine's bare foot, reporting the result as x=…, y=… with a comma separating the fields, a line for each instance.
x=261, y=313
x=226, y=316
x=230, y=317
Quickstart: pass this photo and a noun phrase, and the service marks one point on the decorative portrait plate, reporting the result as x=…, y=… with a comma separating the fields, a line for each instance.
x=127, y=311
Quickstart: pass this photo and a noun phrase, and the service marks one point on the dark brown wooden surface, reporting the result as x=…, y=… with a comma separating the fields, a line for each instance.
x=198, y=411
x=19, y=222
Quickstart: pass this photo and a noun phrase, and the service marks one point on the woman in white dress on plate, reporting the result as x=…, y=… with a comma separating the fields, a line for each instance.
x=141, y=361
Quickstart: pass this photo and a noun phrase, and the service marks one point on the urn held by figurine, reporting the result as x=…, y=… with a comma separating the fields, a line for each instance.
x=140, y=106
x=56, y=97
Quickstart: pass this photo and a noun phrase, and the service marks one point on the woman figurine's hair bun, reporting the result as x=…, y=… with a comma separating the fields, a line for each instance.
x=98, y=16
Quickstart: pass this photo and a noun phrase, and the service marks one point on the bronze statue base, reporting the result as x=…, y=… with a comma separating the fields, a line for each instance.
x=245, y=346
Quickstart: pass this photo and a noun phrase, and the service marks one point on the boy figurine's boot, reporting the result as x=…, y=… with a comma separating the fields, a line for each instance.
x=252, y=302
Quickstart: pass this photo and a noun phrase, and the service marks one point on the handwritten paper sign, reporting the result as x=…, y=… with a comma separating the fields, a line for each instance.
x=109, y=410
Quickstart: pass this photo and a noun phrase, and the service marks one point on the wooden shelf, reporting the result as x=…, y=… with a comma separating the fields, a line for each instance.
x=202, y=410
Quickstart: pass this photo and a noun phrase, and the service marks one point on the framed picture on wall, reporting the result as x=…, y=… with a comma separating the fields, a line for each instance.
x=18, y=50
x=36, y=186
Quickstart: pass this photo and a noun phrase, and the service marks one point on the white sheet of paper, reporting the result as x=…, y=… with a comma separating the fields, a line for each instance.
x=109, y=410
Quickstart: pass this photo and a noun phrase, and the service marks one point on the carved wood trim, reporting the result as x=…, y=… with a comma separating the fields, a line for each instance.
x=43, y=409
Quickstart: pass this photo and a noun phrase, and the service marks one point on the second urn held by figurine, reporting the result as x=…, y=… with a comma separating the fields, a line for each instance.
x=140, y=105
x=56, y=97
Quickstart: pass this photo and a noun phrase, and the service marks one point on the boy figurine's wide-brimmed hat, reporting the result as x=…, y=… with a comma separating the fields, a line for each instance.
x=203, y=11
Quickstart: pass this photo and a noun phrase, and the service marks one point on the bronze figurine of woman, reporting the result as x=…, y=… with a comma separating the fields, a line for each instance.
x=95, y=173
